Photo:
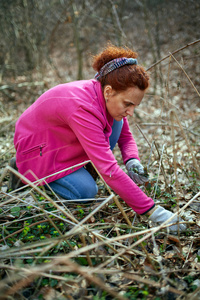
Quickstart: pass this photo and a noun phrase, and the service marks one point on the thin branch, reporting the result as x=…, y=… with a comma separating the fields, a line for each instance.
x=174, y=52
x=186, y=75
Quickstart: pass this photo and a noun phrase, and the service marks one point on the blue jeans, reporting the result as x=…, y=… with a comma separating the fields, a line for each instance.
x=80, y=184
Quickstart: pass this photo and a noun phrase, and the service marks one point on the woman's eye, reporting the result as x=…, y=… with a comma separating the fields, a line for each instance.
x=127, y=104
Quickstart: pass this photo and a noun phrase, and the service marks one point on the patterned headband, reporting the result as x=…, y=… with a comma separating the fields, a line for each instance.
x=115, y=64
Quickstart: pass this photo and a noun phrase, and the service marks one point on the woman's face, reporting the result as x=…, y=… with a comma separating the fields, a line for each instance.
x=122, y=104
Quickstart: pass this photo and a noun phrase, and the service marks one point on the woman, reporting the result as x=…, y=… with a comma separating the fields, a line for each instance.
x=83, y=120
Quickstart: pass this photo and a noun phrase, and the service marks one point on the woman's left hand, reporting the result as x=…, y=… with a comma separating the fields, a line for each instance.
x=136, y=171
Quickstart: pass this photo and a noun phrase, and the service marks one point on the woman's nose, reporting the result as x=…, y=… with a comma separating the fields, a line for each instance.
x=130, y=110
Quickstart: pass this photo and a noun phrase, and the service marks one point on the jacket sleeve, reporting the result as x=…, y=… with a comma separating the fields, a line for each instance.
x=91, y=134
x=127, y=144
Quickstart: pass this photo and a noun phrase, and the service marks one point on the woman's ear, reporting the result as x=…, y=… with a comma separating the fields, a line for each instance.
x=107, y=91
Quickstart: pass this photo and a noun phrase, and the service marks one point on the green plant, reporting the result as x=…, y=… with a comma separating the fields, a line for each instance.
x=15, y=211
x=81, y=212
x=135, y=293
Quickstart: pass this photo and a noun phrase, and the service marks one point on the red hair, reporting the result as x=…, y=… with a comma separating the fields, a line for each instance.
x=123, y=77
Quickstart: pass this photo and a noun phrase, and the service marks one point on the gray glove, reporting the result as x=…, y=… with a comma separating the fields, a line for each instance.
x=161, y=214
x=136, y=171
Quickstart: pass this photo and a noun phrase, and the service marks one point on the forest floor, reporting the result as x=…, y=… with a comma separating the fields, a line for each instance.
x=51, y=248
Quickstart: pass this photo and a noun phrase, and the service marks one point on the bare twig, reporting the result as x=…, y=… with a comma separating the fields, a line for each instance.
x=186, y=75
x=174, y=52
x=187, y=142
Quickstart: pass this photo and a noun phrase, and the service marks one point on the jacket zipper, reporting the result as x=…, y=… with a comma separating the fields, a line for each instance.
x=40, y=147
x=41, y=150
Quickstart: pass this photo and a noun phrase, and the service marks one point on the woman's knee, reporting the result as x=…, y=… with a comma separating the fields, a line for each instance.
x=90, y=191
x=77, y=185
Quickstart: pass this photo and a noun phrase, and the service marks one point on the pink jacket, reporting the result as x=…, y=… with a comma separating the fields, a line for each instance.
x=68, y=125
